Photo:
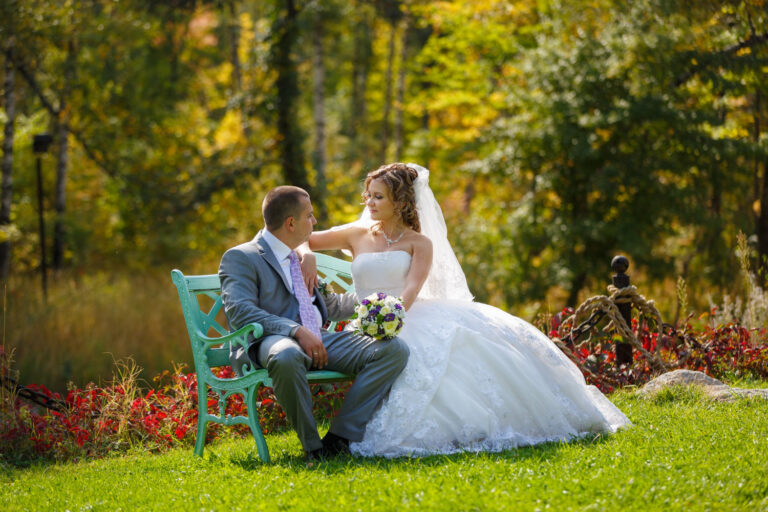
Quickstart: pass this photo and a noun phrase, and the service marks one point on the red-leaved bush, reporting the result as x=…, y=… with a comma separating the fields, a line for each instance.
x=725, y=352
x=100, y=420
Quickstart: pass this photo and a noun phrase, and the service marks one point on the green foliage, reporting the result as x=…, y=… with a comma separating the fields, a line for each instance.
x=608, y=153
x=558, y=133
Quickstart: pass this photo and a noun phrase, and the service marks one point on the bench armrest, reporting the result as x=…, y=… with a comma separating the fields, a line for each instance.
x=239, y=336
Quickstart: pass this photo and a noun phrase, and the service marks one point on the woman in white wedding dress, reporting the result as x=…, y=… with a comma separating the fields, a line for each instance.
x=478, y=378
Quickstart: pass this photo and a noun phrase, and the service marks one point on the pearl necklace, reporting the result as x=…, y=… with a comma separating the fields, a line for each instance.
x=389, y=240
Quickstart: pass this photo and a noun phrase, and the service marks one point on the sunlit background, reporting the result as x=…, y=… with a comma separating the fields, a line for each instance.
x=558, y=134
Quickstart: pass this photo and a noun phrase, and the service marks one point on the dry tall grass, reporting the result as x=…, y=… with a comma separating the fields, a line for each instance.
x=89, y=322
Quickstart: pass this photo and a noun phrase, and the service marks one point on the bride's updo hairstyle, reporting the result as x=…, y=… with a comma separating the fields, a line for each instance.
x=399, y=180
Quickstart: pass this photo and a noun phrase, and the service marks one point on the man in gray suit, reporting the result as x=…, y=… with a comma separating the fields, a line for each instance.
x=259, y=283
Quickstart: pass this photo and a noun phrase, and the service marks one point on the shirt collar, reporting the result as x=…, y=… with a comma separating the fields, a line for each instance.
x=280, y=250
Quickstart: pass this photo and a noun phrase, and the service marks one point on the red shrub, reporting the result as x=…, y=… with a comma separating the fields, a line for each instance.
x=725, y=351
x=99, y=420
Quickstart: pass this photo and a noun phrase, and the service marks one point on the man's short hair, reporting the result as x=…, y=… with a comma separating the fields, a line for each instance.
x=281, y=203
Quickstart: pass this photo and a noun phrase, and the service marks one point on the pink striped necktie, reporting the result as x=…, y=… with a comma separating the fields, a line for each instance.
x=306, y=309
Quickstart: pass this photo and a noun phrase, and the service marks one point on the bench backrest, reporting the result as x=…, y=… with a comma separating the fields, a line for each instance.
x=201, y=319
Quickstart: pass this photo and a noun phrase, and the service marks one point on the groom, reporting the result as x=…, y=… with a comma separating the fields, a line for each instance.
x=261, y=282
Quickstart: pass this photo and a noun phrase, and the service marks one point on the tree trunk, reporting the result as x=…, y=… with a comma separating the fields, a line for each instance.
x=361, y=66
x=62, y=164
x=233, y=31
x=290, y=142
x=399, y=107
x=756, y=139
x=59, y=230
x=7, y=179
x=388, y=94
x=761, y=191
x=318, y=97
x=762, y=219
x=577, y=283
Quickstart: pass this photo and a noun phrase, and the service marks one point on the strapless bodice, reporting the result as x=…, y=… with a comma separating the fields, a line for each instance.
x=385, y=272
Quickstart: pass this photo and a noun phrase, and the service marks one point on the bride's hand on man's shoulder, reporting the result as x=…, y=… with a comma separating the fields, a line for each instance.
x=309, y=271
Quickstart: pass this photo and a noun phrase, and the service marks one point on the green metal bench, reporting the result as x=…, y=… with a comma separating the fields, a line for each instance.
x=211, y=352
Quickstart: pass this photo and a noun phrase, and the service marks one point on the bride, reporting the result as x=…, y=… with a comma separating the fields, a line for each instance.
x=477, y=379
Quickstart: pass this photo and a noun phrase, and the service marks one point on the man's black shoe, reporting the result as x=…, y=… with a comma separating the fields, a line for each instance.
x=335, y=445
x=315, y=455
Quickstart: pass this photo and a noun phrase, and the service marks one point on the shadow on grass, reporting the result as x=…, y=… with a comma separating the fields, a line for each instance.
x=545, y=451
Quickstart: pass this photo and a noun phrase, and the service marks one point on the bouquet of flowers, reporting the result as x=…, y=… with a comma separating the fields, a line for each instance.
x=379, y=315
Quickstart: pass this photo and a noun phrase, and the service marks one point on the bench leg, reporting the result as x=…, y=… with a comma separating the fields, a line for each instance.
x=253, y=422
x=202, y=415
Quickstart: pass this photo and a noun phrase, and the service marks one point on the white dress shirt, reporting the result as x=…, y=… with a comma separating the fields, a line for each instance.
x=283, y=254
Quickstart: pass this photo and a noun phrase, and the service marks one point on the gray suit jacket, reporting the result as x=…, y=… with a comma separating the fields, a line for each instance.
x=254, y=289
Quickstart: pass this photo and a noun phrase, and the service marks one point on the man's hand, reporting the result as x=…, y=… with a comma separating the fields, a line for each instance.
x=309, y=271
x=312, y=346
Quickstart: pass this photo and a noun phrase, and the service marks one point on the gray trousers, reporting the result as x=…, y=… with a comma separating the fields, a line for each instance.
x=375, y=365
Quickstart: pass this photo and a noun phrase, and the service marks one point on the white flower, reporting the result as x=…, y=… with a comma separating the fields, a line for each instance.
x=372, y=329
x=385, y=310
x=390, y=327
x=361, y=311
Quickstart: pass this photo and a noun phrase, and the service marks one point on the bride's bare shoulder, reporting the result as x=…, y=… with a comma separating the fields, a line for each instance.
x=421, y=240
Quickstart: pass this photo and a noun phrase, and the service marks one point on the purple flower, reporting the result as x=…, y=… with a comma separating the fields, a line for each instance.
x=382, y=296
x=389, y=317
x=365, y=302
x=398, y=306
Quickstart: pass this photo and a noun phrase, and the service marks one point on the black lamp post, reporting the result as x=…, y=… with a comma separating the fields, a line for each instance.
x=40, y=145
x=620, y=264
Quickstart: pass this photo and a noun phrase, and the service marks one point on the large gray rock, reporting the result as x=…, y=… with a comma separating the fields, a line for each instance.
x=730, y=394
x=681, y=378
x=713, y=388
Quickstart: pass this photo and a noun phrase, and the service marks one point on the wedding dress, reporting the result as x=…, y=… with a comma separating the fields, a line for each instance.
x=477, y=378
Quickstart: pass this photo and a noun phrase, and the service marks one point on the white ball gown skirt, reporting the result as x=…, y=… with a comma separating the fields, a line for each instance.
x=478, y=379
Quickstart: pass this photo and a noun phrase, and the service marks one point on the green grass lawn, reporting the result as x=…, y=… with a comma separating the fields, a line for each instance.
x=682, y=453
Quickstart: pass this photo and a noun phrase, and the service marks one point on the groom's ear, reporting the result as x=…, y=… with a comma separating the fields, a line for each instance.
x=290, y=223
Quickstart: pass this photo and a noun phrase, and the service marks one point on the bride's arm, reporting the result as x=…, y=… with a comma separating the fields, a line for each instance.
x=421, y=261
x=330, y=239
x=324, y=241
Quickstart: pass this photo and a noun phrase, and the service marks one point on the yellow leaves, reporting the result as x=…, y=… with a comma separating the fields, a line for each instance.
x=201, y=28
x=729, y=131
x=593, y=197
x=553, y=199
x=9, y=233
x=461, y=115
x=450, y=99
x=603, y=133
